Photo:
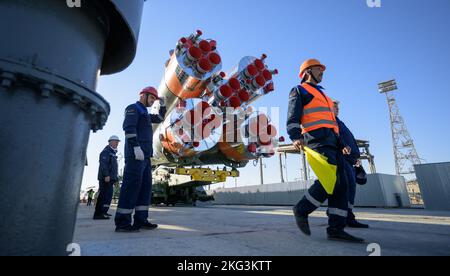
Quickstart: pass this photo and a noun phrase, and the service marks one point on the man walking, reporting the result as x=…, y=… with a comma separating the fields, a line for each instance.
x=351, y=162
x=312, y=123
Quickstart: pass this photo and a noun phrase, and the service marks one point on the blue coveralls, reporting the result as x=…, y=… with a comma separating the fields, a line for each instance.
x=328, y=143
x=108, y=167
x=350, y=162
x=136, y=190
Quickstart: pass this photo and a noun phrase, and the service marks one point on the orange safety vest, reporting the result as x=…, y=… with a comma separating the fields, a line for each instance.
x=319, y=112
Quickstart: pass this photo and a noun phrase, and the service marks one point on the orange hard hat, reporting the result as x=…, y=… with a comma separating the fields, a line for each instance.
x=308, y=64
x=150, y=91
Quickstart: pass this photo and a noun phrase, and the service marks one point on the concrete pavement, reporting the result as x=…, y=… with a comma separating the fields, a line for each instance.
x=263, y=231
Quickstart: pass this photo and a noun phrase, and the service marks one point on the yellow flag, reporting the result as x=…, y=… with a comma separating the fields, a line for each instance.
x=325, y=171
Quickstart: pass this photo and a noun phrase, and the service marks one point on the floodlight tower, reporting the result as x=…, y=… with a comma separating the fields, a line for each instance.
x=405, y=153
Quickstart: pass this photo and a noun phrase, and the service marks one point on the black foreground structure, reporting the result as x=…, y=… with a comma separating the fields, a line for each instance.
x=51, y=56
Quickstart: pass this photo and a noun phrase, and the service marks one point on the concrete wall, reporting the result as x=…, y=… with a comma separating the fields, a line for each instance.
x=434, y=182
x=272, y=194
x=380, y=191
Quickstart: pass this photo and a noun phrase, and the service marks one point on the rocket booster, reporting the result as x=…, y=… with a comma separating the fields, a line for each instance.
x=209, y=119
x=188, y=71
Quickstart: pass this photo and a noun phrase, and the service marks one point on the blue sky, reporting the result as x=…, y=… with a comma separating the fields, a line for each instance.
x=361, y=46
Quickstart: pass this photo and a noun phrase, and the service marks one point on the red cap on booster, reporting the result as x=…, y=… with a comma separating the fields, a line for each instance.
x=235, y=102
x=244, y=95
x=214, y=58
x=204, y=65
x=226, y=91
x=205, y=46
x=234, y=83
x=252, y=148
x=272, y=131
x=183, y=40
x=267, y=75
x=195, y=53
x=251, y=70
x=260, y=65
x=260, y=81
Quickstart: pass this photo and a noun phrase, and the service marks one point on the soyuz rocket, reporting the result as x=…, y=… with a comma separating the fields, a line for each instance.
x=209, y=118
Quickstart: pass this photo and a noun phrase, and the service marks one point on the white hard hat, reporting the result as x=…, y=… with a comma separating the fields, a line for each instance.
x=114, y=138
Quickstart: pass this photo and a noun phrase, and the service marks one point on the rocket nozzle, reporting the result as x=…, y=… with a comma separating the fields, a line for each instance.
x=259, y=65
x=225, y=91
x=272, y=131
x=259, y=81
x=215, y=59
x=250, y=71
x=204, y=66
x=234, y=102
x=252, y=148
x=267, y=75
x=234, y=84
x=194, y=53
x=244, y=95
x=205, y=46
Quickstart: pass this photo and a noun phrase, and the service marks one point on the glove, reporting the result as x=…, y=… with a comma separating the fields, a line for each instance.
x=139, y=154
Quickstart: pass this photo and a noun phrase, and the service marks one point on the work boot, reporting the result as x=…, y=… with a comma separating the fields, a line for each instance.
x=341, y=235
x=356, y=224
x=127, y=229
x=148, y=226
x=101, y=217
x=302, y=222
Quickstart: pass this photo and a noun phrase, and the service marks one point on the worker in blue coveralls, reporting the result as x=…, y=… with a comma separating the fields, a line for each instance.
x=351, y=162
x=108, y=175
x=136, y=190
x=311, y=123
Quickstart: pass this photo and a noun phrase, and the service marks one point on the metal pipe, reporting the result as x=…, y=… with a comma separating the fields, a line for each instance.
x=305, y=166
x=261, y=172
x=281, y=168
